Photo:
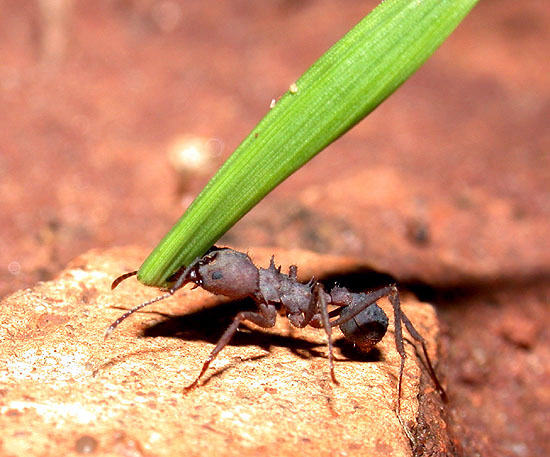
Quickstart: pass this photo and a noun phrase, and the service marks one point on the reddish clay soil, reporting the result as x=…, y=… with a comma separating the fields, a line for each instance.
x=445, y=186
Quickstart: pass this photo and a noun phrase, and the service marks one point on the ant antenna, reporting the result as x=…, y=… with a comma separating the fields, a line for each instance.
x=121, y=278
x=180, y=282
x=132, y=311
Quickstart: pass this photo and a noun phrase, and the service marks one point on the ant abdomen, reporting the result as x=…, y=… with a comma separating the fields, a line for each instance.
x=367, y=328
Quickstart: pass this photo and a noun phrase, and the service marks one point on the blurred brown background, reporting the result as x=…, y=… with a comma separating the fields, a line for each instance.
x=446, y=185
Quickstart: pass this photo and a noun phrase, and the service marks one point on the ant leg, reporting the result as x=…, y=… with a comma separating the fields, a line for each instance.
x=393, y=296
x=341, y=297
x=394, y=299
x=400, y=316
x=182, y=279
x=320, y=293
x=367, y=299
x=264, y=318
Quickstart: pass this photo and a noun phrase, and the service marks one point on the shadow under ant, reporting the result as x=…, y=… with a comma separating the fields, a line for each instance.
x=208, y=324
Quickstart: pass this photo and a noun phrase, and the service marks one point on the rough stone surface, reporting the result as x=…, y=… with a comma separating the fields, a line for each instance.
x=444, y=186
x=64, y=391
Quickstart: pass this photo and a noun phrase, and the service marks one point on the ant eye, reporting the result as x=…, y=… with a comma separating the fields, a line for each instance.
x=217, y=275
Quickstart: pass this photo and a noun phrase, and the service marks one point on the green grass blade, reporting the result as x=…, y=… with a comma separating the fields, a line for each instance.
x=349, y=81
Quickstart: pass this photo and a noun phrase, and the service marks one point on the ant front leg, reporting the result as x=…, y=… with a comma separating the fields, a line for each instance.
x=264, y=318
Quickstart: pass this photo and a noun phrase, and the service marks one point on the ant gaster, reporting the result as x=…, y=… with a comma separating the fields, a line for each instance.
x=224, y=271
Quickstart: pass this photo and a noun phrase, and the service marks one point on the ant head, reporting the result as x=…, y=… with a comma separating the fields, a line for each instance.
x=194, y=272
x=224, y=271
x=221, y=271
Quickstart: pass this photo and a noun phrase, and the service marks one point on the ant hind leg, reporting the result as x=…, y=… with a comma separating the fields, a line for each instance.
x=401, y=317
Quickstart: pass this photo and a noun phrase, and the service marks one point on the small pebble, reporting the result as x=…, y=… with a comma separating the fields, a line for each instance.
x=86, y=444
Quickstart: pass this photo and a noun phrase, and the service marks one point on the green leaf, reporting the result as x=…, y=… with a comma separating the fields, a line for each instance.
x=349, y=81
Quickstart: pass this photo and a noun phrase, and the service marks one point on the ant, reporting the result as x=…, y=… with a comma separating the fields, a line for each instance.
x=224, y=271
